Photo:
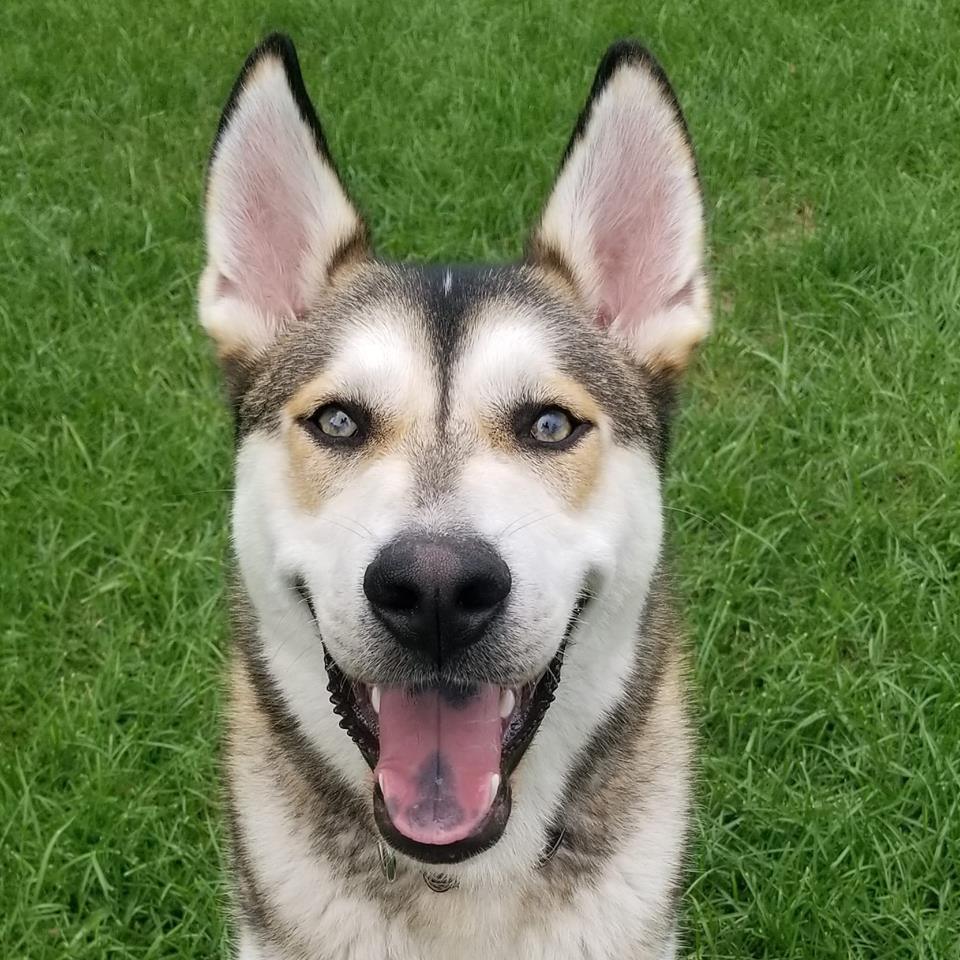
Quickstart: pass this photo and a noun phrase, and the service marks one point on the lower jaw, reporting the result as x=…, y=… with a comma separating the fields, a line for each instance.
x=483, y=838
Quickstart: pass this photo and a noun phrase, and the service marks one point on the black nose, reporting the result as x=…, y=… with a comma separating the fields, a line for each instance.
x=437, y=595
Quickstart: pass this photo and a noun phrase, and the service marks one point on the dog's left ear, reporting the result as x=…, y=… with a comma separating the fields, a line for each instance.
x=624, y=223
x=278, y=220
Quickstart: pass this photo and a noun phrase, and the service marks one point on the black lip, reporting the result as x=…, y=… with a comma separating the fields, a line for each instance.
x=544, y=695
x=340, y=686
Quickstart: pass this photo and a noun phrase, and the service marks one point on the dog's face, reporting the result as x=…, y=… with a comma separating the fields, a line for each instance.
x=448, y=479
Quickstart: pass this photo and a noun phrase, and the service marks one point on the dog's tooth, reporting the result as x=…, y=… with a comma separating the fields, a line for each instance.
x=380, y=781
x=508, y=700
x=494, y=786
x=375, y=699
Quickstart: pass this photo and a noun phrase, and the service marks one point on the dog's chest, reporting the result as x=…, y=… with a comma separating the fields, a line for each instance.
x=616, y=915
x=469, y=925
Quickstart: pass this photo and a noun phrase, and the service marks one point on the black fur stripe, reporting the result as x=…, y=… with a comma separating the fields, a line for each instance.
x=251, y=904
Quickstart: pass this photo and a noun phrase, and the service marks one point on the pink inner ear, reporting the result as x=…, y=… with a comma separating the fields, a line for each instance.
x=275, y=207
x=265, y=212
x=638, y=194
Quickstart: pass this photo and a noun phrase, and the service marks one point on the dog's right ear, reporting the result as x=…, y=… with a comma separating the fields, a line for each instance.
x=278, y=221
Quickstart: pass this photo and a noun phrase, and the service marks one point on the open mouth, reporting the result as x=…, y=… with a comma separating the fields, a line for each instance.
x=442, y=756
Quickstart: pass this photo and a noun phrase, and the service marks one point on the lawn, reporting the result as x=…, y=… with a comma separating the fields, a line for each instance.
x=815, y=484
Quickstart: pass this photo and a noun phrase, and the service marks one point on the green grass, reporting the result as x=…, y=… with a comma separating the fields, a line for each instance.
x=815, y=481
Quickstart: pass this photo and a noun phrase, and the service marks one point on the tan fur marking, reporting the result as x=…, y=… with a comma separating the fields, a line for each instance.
x=316, y=473
x=245, y=717
x=574, y=473
x=306, y=399
x=554, y=271
x=573, y=395
x=312, y=471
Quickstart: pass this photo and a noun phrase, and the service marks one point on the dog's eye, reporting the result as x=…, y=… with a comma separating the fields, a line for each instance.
x=332, y=423
x=336, y=422
x=552, y=425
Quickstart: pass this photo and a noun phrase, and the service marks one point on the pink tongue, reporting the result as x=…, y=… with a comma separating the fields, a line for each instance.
x=438, y=757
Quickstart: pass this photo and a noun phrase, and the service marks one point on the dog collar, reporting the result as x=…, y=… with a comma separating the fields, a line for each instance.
x=441, y=882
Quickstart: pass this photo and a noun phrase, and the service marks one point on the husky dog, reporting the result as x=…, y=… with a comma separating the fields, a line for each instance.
x=457, y=723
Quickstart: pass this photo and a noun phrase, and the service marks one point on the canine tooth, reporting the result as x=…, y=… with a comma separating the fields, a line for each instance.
x=508, y=700
x=380, y=781
x=494, y=786
x=375, y=699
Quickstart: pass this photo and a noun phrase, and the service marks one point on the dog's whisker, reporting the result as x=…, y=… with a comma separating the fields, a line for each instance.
x=363, y=534
x=283, y=622
x=530, y=523
x=520, y=519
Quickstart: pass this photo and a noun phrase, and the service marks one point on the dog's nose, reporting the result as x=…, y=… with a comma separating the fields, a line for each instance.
x=437, y=595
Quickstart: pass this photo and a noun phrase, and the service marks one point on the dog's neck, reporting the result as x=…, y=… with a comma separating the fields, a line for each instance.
x=442, y=882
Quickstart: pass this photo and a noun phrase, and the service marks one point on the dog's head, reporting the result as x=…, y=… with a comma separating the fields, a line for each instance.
x=448, y=479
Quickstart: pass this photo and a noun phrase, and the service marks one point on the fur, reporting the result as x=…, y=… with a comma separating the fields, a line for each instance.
x=444, y=366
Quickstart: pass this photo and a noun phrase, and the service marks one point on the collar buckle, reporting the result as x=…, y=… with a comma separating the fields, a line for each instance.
x=440, y=882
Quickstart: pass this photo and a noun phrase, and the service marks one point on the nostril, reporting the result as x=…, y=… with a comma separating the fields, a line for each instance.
x=399, y=597
x=390, y=588
x=479, y=595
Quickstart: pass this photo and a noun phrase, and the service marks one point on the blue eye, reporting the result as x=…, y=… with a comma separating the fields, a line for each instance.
x=335, y=422
x=332, y=422
x=552, y=425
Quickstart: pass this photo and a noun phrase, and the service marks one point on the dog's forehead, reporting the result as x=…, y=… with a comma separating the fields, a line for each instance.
x=508, y=345
x=441, y=330
x=428, y=339
x=383, y=359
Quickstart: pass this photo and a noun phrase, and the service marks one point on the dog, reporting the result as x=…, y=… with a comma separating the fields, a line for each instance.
x=458, y=720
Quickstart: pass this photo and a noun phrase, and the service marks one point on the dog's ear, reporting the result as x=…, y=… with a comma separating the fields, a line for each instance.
x=624, y=223
x=278, y=220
